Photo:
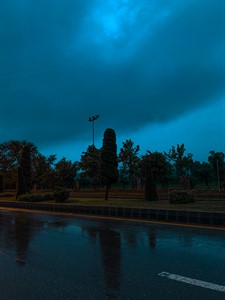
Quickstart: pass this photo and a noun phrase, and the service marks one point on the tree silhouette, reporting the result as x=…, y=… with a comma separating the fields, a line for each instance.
x=89, y=164
x=129, y=157
x=216, y=159
x=160, y=166
x=20, y=184
x=9, y=159
x=201, y=172
x=150, y=186
x=24, y=182
x=43, y=171
x=25, y=163
x=108, y=160
x=65, y=172
x=1, y=183
x=177, y=156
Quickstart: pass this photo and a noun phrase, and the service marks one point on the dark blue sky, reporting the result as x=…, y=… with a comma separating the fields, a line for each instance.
x=153, y=70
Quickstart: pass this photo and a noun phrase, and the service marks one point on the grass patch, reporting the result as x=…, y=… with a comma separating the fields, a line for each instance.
x=209, y=206
x=161, y=204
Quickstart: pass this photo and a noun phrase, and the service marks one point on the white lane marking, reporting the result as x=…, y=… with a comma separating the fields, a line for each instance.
x=204, y=284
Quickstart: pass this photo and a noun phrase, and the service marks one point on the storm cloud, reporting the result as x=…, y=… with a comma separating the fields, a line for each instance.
x=133, y=62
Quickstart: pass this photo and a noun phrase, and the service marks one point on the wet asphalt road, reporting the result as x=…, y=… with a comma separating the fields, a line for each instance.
x=45, y=256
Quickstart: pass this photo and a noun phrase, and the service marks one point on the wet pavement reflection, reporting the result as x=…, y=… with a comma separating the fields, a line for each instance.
x=44, y=256
x=15, y=232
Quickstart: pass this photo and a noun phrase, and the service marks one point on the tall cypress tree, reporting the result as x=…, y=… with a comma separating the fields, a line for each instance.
x=25, y=163
x=108, y=160
x=24, y=183
x=20, y=184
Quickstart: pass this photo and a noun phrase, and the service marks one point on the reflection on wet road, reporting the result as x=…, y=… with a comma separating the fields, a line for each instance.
x=57, y=257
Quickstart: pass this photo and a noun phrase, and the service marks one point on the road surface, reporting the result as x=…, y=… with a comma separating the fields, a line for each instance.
x=46, y=256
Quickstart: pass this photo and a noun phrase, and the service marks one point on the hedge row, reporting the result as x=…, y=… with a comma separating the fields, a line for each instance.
x=58, y=196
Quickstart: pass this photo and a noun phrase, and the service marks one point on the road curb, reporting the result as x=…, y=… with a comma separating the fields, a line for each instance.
x=173, y=216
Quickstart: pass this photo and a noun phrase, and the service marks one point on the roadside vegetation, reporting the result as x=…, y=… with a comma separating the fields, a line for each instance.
x=123, y=178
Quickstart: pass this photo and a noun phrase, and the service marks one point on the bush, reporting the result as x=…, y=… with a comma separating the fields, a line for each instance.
x=181, y=197
x=35, y=198
x=60, y=195
x=6, y=194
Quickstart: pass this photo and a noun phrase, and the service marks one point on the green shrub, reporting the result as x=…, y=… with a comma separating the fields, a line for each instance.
x=58, y=196
x=181, y=197
x=61, y=195
x=27, y=198
x=46, y=197
x=35, y=198
x=7, y=195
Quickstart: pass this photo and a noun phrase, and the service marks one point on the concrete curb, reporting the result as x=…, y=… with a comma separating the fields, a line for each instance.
x=173, y=216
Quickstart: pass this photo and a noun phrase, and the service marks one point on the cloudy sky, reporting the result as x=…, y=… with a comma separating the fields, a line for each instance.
x=154, y=70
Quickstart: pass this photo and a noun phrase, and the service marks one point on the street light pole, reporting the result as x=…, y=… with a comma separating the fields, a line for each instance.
x=93, y=119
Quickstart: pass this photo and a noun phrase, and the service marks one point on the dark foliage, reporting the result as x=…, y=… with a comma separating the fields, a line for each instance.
x=128, y=156
x=1, y=183
x=35, y=198
x=58, y=196
x=43, y=172
x=7, y=194
x=25, y=163
x=181, y=197
x=150, y=186
x=20, y=184
x=65, y=172
x=9, y=160
x=216, y=160
x=108, y=160
x=61, y=195
x=89, y=164
x=182, y=161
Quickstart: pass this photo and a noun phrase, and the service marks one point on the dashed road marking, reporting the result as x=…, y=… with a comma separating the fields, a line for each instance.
x=192, y=281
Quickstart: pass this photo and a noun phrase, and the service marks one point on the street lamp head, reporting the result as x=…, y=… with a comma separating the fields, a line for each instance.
x=93, y=118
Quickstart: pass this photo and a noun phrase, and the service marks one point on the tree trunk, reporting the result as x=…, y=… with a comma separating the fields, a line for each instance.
x=1, y=183
x=150, y=193
x=207, y=183
x=106, y=192
x=20, y=185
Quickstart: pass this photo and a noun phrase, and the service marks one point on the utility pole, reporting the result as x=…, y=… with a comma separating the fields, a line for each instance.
x=93, y=119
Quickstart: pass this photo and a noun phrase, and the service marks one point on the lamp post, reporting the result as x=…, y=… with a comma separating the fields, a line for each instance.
x=93, y=119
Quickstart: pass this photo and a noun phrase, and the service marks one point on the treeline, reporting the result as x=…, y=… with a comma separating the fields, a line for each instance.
x=47, y=172
x=167, y=167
